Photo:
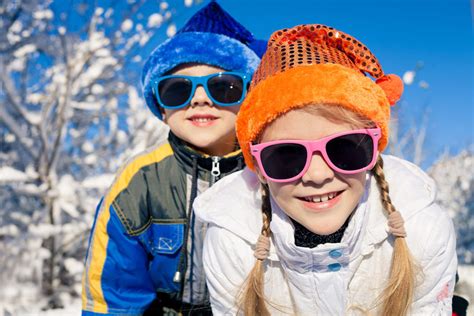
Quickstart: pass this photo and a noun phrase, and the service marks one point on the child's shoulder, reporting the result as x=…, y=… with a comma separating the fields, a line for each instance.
x=141, y=182
x=410, y=187
x=156, y=154
x=401, y=171
x=411, y=190
x=413, y=193
x=233, y=203
x=131, y=178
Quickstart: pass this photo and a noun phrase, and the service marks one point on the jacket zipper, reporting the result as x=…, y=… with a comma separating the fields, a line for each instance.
x=215, y=171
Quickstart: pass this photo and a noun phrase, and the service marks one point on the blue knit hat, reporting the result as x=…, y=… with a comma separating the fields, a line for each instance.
x=210, y=37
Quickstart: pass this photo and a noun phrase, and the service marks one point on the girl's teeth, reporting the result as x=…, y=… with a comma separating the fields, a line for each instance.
x=321, y=198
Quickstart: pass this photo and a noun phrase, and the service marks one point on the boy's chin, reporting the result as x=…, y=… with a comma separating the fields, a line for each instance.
x=209, y=146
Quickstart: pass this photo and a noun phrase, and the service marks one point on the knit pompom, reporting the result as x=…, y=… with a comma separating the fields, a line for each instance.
x=392, y=85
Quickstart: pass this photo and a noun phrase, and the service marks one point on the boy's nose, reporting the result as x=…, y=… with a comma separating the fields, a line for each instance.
x=318, y=171
x=200, y=97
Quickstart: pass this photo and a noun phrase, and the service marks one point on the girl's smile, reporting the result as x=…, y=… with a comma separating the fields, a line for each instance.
x=321, y=202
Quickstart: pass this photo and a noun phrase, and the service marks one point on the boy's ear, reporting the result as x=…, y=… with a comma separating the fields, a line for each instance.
x=163, y=114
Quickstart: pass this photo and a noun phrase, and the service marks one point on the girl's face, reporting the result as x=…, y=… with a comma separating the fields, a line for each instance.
x=340, y=193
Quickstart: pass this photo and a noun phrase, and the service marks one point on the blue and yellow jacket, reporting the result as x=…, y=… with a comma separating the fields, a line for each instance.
x=145, y=243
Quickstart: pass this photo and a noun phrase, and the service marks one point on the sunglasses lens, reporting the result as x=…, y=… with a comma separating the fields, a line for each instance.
x=283, y=161
x=226, y=88
x=351, y=152
x=174, y=92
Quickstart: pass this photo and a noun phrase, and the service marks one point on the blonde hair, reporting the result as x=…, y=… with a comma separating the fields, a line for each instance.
x=397, y=296
x=252, y=300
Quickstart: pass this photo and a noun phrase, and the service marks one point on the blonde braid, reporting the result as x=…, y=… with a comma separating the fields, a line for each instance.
x=398, y=294
x=252, y=299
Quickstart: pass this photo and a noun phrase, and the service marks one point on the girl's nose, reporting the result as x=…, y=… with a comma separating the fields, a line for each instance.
x=318, y=172
x=200, y=98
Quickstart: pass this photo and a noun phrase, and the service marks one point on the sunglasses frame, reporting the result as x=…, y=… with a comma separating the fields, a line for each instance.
x=201, y=81
x=319, y=145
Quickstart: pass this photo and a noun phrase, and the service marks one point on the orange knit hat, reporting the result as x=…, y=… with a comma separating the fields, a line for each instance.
x=315, y=64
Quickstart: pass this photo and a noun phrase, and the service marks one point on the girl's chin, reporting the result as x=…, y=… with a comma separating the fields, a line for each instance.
x=324, y=230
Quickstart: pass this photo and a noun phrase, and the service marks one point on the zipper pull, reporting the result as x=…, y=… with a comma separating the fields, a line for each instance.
x=177, y=277
x=215, y=171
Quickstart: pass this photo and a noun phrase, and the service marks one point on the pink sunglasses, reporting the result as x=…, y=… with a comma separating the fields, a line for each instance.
x=347, y=152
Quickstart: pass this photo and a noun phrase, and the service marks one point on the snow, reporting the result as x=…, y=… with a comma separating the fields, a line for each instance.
x=98, y=182
x=10, y=138
x=87, y=146
x=35, y=98
x=74, y=266
x=17, y=65
x=155, y=20
x=408, y=77
x=99, y=11
x=24, y=50
x=33, y=117
x=16, y=27
x=90, y=159
x=171, y=30
x=97, y=89
x=126, y=25
x=9, y=230
x=43, y=198
x=144, y=38
x=43, y=14
x=9, y=174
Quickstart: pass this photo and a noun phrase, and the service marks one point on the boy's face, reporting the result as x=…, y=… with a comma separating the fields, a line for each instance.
x=202, y=124
x=337, y=194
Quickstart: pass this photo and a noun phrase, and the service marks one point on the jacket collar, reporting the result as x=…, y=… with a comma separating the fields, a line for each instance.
x=187, y=155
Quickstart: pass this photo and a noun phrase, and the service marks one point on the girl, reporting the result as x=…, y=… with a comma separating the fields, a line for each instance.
x=326, y=225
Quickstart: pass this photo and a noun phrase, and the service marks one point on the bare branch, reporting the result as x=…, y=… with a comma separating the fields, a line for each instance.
x=12, y=125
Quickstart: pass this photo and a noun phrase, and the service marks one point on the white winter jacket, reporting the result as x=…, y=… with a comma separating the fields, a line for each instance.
x=335, y=278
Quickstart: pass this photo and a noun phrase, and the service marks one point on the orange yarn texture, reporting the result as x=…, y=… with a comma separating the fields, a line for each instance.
x=316, y=64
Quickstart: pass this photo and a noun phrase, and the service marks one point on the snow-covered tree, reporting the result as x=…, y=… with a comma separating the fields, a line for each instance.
x=454, y=176
x=70, y=114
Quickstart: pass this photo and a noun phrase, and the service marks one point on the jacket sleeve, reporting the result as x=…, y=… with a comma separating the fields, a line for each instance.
x=226, y=264
x=115, y=279
x=437, y=275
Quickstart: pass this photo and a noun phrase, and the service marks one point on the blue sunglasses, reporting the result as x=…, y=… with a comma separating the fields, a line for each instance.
x=223, y=89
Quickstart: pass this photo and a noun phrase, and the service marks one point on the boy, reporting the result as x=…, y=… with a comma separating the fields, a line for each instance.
x=145, y=249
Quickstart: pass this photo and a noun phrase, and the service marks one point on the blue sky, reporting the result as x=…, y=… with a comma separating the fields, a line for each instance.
x=401, y=34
